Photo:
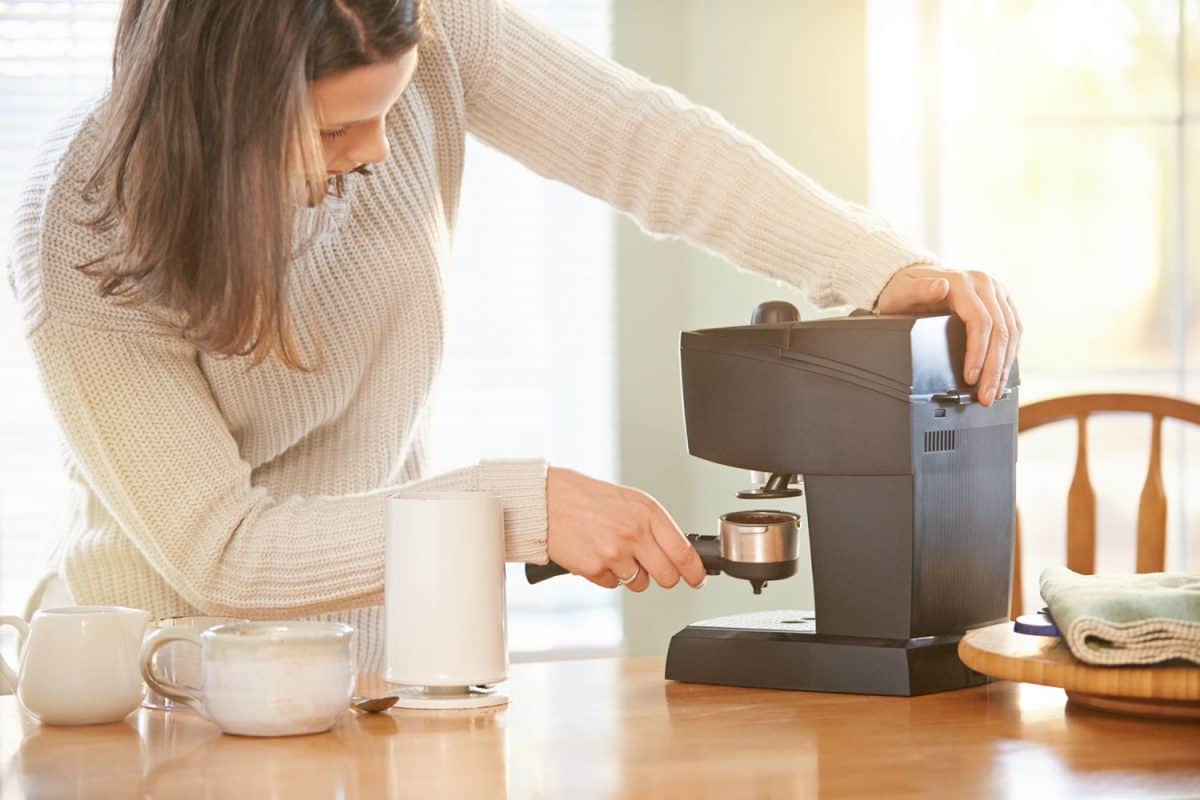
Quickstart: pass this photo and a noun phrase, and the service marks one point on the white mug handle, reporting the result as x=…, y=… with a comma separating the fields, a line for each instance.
x=22, y=627
x=176, y=692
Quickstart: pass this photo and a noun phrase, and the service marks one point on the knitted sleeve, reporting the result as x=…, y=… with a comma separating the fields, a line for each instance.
x=137, y=416
x=677, y=168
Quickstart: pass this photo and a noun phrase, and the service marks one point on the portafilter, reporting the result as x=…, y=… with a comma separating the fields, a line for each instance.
x=757, y=546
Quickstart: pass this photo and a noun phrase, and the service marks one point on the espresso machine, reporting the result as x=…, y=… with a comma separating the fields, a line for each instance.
x=908, y=484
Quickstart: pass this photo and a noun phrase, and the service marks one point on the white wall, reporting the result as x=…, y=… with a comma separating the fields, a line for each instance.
x=794, y=75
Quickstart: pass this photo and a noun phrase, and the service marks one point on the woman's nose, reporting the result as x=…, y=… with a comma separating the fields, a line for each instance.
x=371, y=146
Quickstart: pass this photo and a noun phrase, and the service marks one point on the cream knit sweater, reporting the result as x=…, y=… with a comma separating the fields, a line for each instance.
x=206, y=487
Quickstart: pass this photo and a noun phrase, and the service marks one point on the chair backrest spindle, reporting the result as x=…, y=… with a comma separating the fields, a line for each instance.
x=1152, y=509
x=1081, y=508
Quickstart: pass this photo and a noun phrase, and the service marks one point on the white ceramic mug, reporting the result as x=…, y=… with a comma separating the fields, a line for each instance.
x=79, y=664
x=263, y=678
x=179, y=662
x=444, y=590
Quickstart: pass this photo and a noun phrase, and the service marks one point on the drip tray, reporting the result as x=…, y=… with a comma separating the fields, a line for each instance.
x=782, y=650
x=788, y=621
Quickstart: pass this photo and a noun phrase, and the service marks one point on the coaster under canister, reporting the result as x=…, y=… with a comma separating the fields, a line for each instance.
x=448, y=698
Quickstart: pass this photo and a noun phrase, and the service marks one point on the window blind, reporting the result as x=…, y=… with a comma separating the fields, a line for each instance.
x=53, y=55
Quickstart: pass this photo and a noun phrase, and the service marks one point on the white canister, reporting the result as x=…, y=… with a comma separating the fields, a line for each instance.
x=444, y=594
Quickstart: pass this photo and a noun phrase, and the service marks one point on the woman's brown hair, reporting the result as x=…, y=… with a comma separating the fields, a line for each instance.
x=207, y=138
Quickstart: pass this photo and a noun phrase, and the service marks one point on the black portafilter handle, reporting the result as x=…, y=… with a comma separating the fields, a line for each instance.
x=709, y=548
x=536, y=573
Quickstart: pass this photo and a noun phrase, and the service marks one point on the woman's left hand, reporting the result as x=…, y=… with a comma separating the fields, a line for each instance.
x=980, y=301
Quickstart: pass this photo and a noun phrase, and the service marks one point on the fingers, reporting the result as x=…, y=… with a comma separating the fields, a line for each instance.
x=988, y=387
x=631, y=568
x=656, y=563
x=631, y=553
x=601, y=576
x=991, y=319
x=647, y=551
x=641, y=583
x=653, y=547
x=971, y=309
x=682, y=559
x=1015, y=329
x=610, y=577
x=608, y=533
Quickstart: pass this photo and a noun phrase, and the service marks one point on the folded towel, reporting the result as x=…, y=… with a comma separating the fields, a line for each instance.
x=1125, y=619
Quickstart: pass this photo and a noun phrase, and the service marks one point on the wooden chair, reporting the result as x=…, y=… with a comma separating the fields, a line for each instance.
x=1081, y=499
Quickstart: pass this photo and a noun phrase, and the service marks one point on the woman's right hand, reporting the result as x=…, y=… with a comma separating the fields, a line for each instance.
x=603, y=532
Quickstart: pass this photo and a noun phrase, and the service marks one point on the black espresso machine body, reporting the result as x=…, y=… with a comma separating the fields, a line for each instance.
x=909, y=488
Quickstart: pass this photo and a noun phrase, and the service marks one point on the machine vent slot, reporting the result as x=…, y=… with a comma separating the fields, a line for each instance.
x=939, y=441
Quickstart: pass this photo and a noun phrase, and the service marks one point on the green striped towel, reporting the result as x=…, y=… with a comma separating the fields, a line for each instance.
x=1125, y=619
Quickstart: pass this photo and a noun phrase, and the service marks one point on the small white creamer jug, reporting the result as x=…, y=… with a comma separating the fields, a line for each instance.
x=79, y=664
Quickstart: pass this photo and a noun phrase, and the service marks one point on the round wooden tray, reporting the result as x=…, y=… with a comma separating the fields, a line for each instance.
x=1002, y=653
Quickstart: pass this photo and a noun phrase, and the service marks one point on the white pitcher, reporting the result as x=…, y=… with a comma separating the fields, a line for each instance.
x=79, y=664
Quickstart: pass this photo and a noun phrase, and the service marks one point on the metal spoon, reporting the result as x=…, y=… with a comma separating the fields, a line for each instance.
x=373, y=705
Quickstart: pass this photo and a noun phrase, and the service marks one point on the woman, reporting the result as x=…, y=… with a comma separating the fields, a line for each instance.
x=229, y=272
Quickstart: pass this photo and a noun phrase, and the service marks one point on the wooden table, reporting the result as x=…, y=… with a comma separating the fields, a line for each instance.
x=616, y=729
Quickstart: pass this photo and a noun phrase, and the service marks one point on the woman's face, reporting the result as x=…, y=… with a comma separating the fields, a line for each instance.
x=351, y=107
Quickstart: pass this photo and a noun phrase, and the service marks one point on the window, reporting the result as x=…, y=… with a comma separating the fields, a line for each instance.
x=1054, y=142
x=53, y=55
x=529, y=367
x=529, y=359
